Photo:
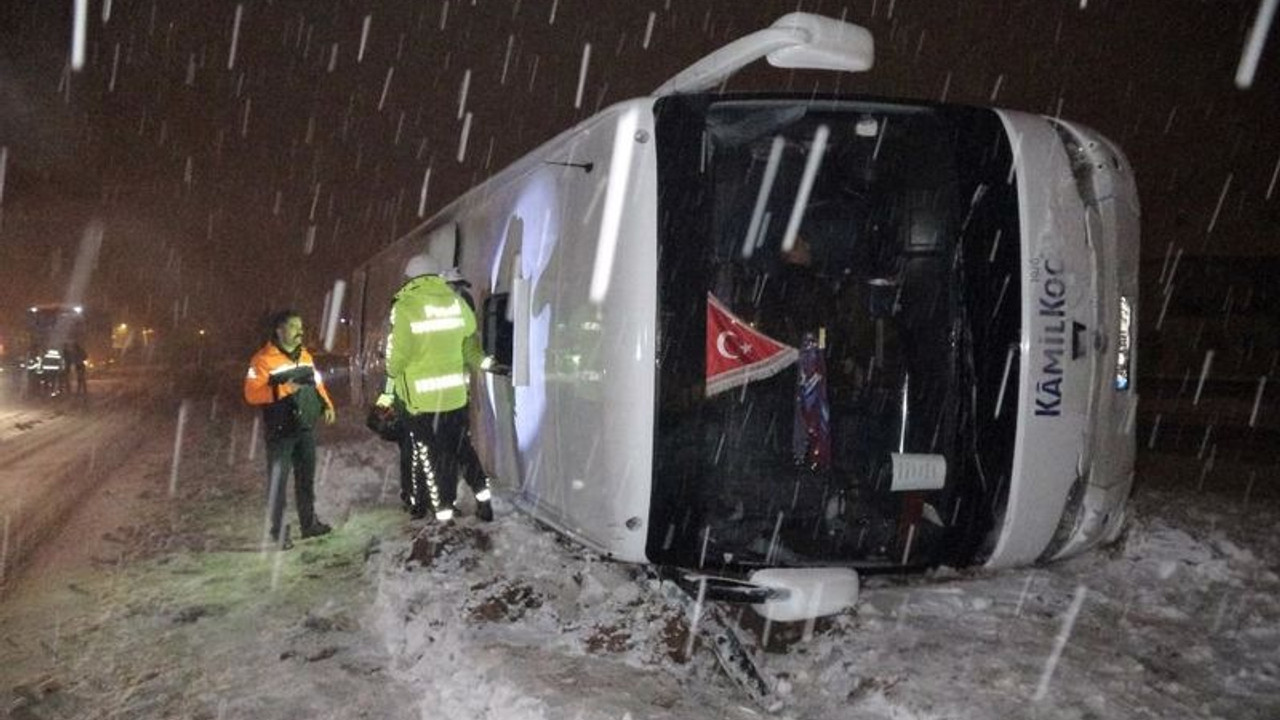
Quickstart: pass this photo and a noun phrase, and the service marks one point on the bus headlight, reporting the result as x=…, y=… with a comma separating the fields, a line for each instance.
x=1124, y=351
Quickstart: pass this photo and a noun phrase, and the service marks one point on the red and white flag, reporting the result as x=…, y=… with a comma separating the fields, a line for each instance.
x=737, y=353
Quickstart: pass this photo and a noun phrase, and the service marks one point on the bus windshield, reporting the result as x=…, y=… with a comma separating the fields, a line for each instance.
x=813, y=330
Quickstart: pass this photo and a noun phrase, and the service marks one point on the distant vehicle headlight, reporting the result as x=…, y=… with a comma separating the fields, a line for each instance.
x=1123, y=349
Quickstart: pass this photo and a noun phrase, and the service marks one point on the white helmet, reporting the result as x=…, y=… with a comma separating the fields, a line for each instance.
x=422, y=264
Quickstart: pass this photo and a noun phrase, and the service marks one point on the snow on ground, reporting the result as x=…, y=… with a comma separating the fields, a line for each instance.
x=149, y=605
x=178, y=613
x=1178, y=620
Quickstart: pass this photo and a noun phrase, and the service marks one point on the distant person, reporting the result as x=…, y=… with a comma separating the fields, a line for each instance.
x=432, y=345
x=76, y=361
x=52, y=369
x=64, y=369
x=284, y=381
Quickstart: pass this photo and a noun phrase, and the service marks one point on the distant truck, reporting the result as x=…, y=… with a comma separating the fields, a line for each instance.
x=54, y=333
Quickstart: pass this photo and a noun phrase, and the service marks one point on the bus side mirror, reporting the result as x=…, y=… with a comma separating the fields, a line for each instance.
x=499, y=331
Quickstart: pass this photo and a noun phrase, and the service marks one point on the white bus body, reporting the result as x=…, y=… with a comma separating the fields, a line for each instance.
x=971, y=283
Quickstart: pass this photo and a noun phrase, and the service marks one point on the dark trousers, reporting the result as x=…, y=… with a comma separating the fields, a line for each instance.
x=406, y=470
x=439, y=446
x=296, y=452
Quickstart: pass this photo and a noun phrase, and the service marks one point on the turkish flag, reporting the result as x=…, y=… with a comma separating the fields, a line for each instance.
x=737, y=353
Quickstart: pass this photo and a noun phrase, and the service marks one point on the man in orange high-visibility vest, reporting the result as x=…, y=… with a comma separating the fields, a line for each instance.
x=284, y=382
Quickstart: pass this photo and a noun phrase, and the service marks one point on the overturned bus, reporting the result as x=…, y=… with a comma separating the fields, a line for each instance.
x=765, y=342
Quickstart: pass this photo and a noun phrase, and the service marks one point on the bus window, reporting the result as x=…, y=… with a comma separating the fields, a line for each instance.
x=833, y=228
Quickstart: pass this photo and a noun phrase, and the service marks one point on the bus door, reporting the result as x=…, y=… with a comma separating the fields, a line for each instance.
x=502, y=339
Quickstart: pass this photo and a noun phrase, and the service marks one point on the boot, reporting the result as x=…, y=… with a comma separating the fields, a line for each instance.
x=315, y=529
x=282, y=540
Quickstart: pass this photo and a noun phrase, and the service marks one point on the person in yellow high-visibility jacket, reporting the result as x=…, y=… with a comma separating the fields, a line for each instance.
x=431, y=347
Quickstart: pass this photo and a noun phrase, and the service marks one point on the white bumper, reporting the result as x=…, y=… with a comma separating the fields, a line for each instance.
x=1073, y=459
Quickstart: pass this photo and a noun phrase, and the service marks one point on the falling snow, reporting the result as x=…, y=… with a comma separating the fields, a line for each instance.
x=510, y=621
x=181, y=168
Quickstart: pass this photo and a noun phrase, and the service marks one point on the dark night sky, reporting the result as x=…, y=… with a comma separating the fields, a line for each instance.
x=210, y=179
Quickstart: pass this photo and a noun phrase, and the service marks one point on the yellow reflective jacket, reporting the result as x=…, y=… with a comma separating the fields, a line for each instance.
x=431, y=345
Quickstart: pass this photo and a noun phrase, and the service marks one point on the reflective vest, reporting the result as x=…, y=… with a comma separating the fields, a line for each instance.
x=259, y=390
x=52, y=361
x=432, y=344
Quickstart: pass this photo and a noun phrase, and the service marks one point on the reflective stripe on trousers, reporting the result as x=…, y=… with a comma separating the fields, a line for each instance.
x=423, y=472
x=445, y=450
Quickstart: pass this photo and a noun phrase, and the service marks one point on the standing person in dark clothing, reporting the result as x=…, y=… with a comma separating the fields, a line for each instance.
x=76, y=361
x=463, y=288
x=431, y=346
x=460, y=286
x=284, y=381
x=64, y=368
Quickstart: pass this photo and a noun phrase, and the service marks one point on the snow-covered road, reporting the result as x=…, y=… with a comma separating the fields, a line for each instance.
x=53, y=451
x=174, y=612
